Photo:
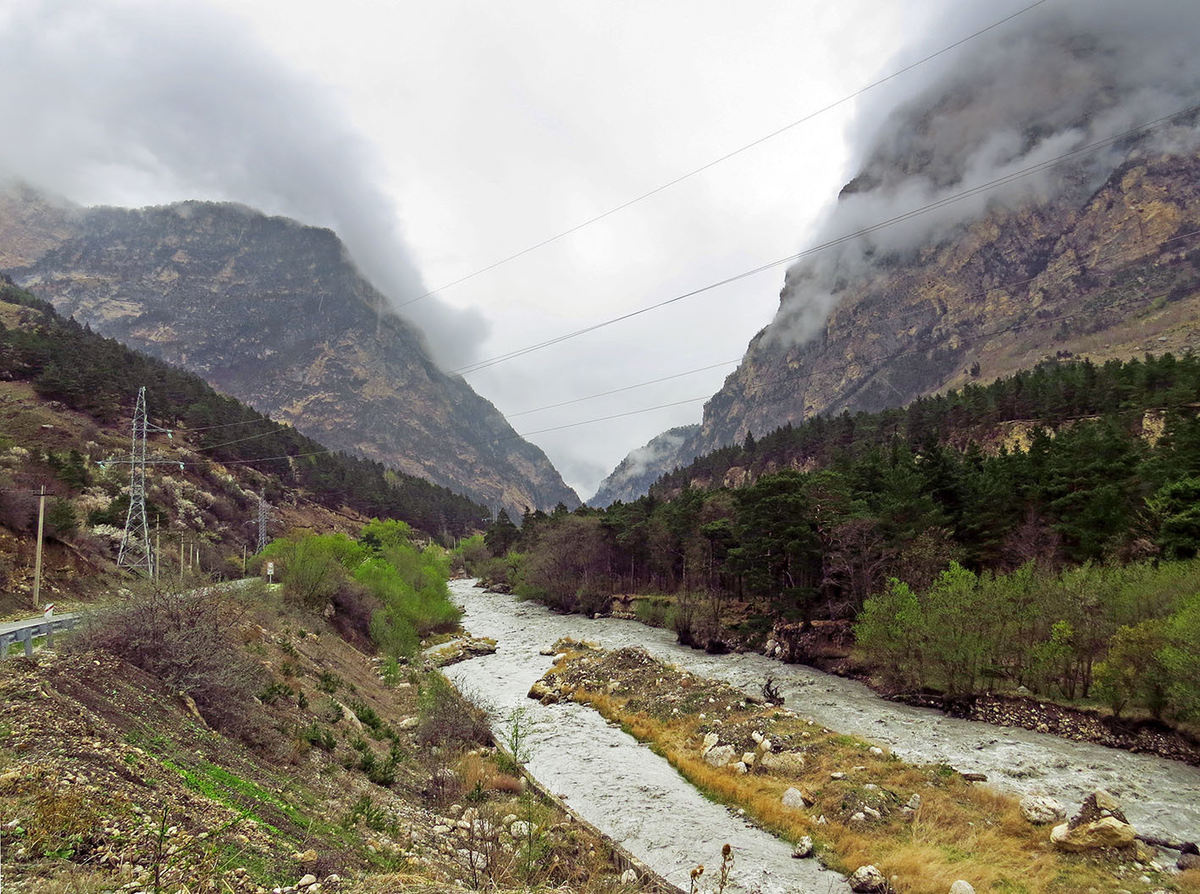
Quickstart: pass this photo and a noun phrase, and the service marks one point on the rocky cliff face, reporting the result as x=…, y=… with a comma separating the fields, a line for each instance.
x=1093, y=255
x=276, y=314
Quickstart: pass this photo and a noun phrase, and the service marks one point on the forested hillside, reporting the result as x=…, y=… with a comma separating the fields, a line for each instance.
x=1065, y=466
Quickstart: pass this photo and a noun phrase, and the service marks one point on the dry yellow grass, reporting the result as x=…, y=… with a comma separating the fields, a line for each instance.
x=961, y=830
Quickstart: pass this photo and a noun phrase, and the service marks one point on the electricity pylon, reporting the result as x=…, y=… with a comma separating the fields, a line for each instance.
x=262, y=524
x=137, y=552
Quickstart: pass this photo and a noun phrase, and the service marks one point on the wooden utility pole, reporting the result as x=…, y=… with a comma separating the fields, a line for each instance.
x=37, y=562
x=157, y=547
x=181, y=557
x=243, y=560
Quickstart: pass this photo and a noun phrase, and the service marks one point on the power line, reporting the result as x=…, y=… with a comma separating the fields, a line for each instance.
x=579, y=400
x=803, y=374
x=908, y=215
x=716, y=161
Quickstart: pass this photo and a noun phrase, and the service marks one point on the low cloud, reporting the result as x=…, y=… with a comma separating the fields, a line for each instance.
x=129, y=102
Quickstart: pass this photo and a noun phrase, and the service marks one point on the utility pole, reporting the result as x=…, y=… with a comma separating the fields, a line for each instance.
x=37, y=562
x=181, y=545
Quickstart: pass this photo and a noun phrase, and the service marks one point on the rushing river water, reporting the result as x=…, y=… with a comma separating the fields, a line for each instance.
x=635, y=796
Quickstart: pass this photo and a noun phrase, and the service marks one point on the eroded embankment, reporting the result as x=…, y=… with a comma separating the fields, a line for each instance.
x=1161, y=797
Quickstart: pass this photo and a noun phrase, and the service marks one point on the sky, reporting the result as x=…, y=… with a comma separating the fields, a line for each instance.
x=438, y=138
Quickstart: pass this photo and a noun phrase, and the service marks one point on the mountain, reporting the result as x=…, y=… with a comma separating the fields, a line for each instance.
x=642, y=467
x=1084, y=243
x=276, y=314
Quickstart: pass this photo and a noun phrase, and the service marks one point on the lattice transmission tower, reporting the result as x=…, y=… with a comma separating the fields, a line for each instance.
x=137, y=551
x=262, y=524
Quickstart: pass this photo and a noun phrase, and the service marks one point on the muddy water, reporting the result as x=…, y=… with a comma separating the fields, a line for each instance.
x=1161, y=797
x=623, y=788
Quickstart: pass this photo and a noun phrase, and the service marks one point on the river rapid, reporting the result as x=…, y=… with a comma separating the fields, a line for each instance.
x=640, y=801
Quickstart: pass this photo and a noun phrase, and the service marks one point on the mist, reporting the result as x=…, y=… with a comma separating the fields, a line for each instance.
x=1054, y=80
x=133, y=103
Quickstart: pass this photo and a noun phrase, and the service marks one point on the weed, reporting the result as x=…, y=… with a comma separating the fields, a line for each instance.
x=275, y=692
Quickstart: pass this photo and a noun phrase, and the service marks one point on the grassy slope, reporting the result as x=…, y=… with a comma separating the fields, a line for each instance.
x=106, y=777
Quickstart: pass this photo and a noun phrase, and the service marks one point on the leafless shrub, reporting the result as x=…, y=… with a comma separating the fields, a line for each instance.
x=183, y=639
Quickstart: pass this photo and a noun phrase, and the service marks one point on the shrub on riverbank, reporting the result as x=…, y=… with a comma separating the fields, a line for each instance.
x=404, y=585
x=1124, y=633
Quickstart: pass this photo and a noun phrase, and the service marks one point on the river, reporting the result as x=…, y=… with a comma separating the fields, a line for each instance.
x=634, y=796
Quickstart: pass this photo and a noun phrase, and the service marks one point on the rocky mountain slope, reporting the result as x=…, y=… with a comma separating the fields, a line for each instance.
x=1092, y=255
x=276, y=314
x=642, y=467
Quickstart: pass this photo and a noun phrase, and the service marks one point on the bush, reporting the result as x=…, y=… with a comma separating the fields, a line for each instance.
x=183, y=640
x=447, y=719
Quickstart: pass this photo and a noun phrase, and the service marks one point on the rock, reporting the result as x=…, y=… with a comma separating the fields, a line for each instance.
x=782, y=762
x=1040, y=810
x=309, y=879
x=740, y=767
x=914, y=803
x=757, y=737
x=868, y=880
x=522, y=829
x=961, y=887
x=719, y=755
x=877, y=751
x=1187, y=861
x=629, y=877
x=795, y=799
x=710, y=742
x=837, y=775
x=1105, y=832
x=308, y=858
x=543, y=693
x=748, y=758
x=332, y=881
x=8, y=781
x=975, y=777
x=858, y=819
x=803, y=848
x=872, y=813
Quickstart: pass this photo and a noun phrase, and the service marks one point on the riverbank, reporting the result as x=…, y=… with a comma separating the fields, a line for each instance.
x=1161, y=797
x=827, y=647
x=925, y=827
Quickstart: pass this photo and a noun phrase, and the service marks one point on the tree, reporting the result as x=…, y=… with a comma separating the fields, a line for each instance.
x=501, y=534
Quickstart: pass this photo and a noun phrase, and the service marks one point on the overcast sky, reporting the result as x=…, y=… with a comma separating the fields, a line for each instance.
x=440, y=137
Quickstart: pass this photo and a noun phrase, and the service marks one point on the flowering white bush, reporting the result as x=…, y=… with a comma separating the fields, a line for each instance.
x=108, y=532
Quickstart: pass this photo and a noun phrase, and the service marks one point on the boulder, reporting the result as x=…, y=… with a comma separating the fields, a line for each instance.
x=1041, y=810
x=782, y=762
x=1187, y=861
x=796, y=799
x=541, y=691
x=309, y=879
x=710, y=742
x=962, y=887
x=1106, y=832
x=803, y=848
x=719, y=755
x=868, y=880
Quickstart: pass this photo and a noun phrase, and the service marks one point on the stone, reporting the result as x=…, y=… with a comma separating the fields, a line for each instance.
x=794, y=799
x=309, y=879
x=858, y=819
x=782, y=762
x=1187, y=861
x=308, y=858
x=868, y=880
x=748, y=758
x=914, y=803
x=741, y=768
x=333, y=880
x=710, y=742
x=1105, y=801
x=872, y=813
x=962, y=887
x=629, y=877
x=803, y=848
x=540, y=691
x=877, y=751
x=1041, y=810
x=719, y=755
x=522, y=829
x=837, y=775
x=1105, y=832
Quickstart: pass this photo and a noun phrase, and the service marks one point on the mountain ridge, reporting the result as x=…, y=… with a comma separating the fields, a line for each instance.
x=274, y=312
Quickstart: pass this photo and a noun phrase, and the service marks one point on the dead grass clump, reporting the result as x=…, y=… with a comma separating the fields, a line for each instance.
x=447, y=719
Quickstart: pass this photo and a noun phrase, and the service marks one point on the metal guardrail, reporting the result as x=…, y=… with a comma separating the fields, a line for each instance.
x=35, y=629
